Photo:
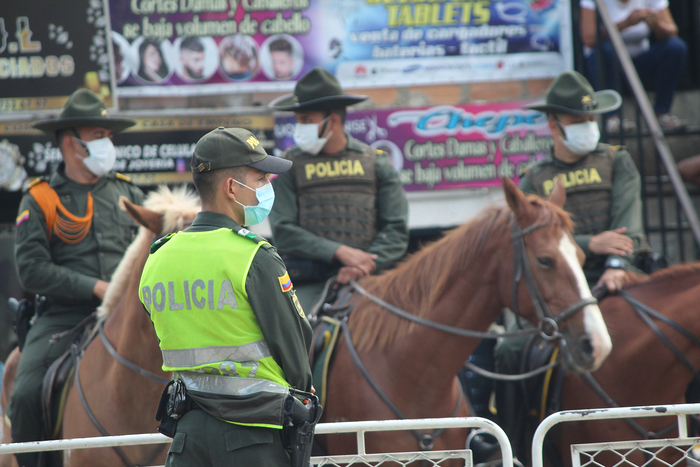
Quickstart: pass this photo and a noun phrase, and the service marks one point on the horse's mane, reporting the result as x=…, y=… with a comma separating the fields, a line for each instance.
x=419, y=281
x=175, y=206
x=670, y=273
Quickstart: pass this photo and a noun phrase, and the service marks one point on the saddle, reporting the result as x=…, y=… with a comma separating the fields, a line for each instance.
x=59, y=376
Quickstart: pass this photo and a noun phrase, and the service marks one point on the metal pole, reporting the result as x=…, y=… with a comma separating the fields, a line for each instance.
x=652, y=122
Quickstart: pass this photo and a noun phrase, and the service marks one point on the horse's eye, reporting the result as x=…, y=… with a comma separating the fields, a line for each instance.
x=546, y=262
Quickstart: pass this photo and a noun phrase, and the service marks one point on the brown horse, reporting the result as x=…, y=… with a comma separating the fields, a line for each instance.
x=464, y=280
x=122, y=401
x=642, y=370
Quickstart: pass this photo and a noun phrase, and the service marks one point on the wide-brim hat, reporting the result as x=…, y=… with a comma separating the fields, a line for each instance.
x=316, y=90
x=571, y=93
x=234, y=147
x=84, y=108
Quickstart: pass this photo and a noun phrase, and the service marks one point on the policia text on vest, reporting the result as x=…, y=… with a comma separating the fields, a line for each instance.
x=200, y=294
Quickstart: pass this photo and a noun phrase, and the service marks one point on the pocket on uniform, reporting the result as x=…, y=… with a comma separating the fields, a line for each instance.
x=244, y=437
x=178, y=443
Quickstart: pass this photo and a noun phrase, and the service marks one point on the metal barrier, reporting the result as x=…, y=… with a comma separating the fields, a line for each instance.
x=434, y=458
x=583, y=455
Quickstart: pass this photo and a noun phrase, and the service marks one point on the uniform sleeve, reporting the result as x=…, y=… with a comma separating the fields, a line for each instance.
x=136, y=195
x=626, y=206
x=35, y=267
x=286, y=330
x=289, y=237
x=391, y=241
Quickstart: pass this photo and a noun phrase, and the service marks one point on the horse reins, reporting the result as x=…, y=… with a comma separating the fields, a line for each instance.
x=646, y=313
x=77, y=356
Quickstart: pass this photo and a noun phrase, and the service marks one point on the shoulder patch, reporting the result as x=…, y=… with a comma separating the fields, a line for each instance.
x=34, y=182
x=243, y=232
x=160, y=242
x=23, y=216
x=122, y=177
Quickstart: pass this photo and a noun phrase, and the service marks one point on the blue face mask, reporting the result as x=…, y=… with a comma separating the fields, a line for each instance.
x=266, y=198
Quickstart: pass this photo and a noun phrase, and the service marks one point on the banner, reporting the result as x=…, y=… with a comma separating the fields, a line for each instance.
x=50, y=49
x=185, y=47
x=448, y=147
x=156, y=150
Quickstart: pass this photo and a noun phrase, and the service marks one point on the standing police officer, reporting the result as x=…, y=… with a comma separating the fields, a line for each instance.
x=70, y=238
x=226, y=315
x=341, y=209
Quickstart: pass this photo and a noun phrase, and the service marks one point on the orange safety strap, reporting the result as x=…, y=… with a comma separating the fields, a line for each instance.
x=69, y=228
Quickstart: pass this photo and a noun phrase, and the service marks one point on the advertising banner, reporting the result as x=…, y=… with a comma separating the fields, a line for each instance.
x=50, y=49
x=448, y=147
x=185, y=47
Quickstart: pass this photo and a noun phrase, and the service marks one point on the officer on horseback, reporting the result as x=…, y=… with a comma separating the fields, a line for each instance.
x=228, y=320
x=341, y=209
x=70, y=237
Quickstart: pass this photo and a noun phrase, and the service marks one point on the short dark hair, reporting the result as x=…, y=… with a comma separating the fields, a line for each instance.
x=281, y=45
x=342, y=113
x=192, y=44
x=207, y=183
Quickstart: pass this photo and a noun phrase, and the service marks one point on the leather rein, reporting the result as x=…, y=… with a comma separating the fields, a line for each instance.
x=648, y=314
x=548, y=328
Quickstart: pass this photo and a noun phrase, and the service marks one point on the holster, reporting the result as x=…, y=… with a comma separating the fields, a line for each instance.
x=300, y=419
x=25, y=314
x=174, y=403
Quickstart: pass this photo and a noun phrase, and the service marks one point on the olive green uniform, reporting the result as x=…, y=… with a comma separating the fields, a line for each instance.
x=389, y=243
x=66, y=274
x=202, y=439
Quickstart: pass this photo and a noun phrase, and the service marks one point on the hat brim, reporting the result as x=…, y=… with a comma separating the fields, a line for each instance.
x=288, y=102
x=115, y=124
x=272, y=165
x=608, y=100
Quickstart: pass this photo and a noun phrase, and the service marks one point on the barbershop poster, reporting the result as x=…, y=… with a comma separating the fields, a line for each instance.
x=49, y=49
x=185, y=47
x=446, y=147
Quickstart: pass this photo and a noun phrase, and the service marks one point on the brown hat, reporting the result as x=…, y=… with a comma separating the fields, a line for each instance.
x=316, y=90
x=84, y=108
x=234, y=147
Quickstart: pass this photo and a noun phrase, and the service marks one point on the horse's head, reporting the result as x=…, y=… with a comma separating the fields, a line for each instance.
x=164, y=211
x=553, y=289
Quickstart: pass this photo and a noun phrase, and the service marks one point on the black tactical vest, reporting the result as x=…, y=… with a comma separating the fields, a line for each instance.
x=588, y=185
x=337, y=194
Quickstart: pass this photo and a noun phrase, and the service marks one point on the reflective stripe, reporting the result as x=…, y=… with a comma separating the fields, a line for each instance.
x=182, y=358
x=228, y=385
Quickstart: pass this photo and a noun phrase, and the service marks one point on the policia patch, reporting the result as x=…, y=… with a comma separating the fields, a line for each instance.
x=287, y=287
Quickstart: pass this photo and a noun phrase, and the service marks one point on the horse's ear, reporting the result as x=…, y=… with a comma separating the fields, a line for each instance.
x=515, y=198
x=558, y=195
x=143, y=216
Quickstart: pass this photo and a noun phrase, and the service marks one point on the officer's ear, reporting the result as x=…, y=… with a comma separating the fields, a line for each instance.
x=143, y=216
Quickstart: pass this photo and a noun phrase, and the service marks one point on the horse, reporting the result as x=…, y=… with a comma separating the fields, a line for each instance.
x=462, y=282
x=642, y=370
x=122, y=400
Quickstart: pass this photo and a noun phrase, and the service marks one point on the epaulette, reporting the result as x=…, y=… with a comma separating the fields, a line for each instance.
x=122, y=177
x=243, y=232
x=294, y=151
x=379, y=152
x=160, y=242
x=36, y=181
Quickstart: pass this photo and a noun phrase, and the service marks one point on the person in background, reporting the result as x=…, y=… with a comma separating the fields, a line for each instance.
x=282, y=56
x=651, y=38
x=152, y=67
x=192, y=58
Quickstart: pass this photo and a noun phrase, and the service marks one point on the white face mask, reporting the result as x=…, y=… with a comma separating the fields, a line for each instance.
x=101, y=156
x=306, y=137
x=581, y=138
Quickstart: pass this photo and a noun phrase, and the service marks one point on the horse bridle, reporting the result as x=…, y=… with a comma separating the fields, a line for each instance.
x=548, y=326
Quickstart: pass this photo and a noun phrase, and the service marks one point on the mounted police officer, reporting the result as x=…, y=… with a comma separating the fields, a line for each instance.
x=603, y=196
x=226, y=315
x=341, y=209
x=603, y=186
x=71, y=234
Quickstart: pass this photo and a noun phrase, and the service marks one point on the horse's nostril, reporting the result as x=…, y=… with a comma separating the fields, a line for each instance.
x=586, y=345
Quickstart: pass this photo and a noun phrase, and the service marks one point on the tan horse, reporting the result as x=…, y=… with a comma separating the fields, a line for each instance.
x=122, y=400
x=642, y=370
x=464, y=280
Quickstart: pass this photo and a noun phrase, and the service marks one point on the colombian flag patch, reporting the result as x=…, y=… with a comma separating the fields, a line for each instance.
x=285, y=282
x=22, y=217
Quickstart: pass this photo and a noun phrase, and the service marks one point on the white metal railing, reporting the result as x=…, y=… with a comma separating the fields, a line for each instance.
x=359, y=428
x=583, y=455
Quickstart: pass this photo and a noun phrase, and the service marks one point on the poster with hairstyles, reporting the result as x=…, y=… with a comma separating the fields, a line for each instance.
x=186, y=47
x=50, y=49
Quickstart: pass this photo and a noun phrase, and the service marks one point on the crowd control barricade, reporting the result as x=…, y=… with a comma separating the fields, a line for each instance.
x=584, y=455
x=361, y=457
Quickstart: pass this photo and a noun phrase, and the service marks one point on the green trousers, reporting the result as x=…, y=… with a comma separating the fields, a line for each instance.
x=25, y=406
x=202, y=440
